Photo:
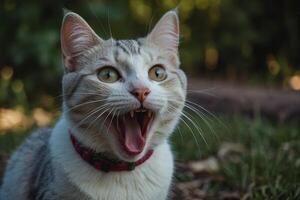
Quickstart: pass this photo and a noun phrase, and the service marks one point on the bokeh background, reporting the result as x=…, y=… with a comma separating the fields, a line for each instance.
x=227, y=48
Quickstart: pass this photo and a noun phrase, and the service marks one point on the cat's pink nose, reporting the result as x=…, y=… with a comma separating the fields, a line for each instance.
x=140, y=93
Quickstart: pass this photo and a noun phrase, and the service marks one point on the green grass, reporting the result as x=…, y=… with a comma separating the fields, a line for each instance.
x=267, y=168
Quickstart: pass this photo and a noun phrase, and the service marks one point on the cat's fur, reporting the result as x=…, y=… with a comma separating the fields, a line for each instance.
x=46, y=166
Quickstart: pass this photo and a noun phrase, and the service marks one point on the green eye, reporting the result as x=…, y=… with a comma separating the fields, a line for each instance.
x=108, y=75
x=157, y=73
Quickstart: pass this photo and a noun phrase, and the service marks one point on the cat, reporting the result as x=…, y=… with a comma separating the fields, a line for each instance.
x=122, y=99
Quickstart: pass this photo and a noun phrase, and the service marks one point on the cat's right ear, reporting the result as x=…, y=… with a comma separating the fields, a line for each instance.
x=165, y=33
x=76, y=37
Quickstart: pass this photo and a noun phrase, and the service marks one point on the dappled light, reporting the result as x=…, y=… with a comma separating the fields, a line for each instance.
x=12, y=119
x=295, y=82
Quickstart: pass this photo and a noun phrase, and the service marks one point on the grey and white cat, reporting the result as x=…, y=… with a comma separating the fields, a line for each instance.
x=121, y=98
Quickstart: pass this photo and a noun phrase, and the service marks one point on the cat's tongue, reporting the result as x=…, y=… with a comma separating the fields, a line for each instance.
x=134, y=142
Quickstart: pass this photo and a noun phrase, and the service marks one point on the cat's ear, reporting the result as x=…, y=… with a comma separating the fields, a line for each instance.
x=76, y=37
x=165, y=33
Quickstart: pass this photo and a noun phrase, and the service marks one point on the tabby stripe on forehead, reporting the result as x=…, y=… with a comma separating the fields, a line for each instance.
x=137, y=46
x=129, y=46
x=132, y=45
x=139, y=42
x=118, y=43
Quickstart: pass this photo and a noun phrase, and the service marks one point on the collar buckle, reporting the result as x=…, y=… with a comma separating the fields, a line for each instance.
x=131, y=166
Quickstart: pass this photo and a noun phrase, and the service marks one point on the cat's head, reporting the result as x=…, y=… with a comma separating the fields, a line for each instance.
x=122, y=96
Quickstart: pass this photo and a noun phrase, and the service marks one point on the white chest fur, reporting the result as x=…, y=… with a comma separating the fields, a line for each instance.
x=149, y=181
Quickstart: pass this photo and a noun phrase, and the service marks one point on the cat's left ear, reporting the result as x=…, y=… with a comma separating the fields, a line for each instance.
x=165, y=34
x=76, y=38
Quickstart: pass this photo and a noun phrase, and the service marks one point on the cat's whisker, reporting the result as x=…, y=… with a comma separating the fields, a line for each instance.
x=180, y=133
x=82, y=104
x=202, y=117
x=199, y=114
x=114, y=111
x=96, y=118
x=191, y=130
x=89, y=114
x=111, y=110
x=118, y=114
x=178, y=128
x=208, y=112
x=174, y=109
x=199, y=129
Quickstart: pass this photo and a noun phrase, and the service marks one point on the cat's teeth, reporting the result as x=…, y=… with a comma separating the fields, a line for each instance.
x=131, y=114
x=149, y=113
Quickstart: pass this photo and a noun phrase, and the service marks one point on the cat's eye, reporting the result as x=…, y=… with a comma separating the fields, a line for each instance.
x=108, y=74
x=157, y=73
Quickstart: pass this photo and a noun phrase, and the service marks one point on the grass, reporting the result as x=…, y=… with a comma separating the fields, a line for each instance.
x=267, y=167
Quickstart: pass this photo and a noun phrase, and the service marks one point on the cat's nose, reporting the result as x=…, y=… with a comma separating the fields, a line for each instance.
x=141, y=93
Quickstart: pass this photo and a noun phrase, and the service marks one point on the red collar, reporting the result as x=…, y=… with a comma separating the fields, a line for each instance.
x=102, y=163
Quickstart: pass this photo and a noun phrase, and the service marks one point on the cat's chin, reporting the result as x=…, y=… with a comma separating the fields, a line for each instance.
x=131, y=131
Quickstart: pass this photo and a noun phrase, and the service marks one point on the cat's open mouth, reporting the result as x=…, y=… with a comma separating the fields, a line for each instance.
x=132, y=129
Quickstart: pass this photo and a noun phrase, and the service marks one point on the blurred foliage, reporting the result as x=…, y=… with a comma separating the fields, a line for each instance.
x=231, y=39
